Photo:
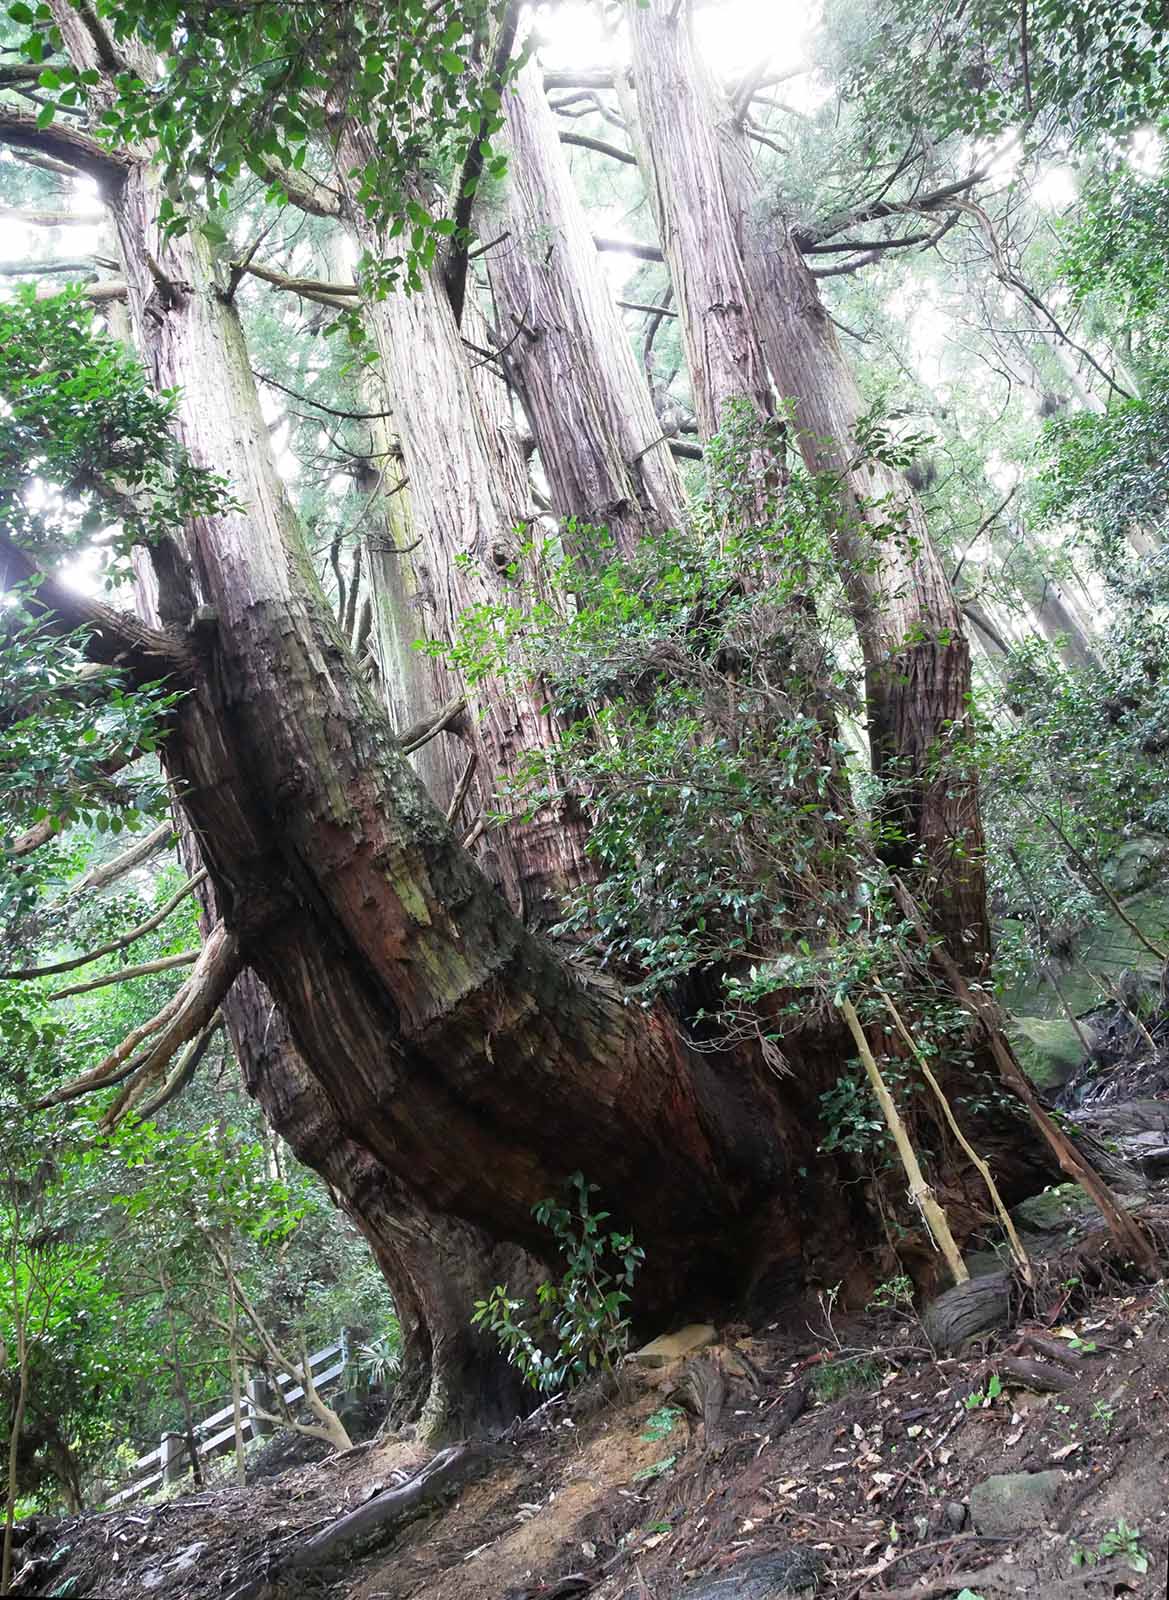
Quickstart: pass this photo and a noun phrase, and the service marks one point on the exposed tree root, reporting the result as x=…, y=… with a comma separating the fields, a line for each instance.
x=378, y=1519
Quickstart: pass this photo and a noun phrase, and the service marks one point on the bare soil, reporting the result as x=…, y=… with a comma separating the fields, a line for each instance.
x=766, y=1454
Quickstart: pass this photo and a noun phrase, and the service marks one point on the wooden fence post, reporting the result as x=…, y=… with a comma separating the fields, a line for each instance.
x=170, y=1453
x=260, y=1398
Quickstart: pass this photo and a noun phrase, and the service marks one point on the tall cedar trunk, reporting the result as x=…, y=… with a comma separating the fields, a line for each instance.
x=461, y=1058
x=709, y=200
x=714, y=237
x=413, y=684
x=586, y=400
x=696, y=222
x=470, y=510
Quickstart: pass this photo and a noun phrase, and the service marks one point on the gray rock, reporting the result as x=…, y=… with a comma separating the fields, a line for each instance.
x=773, y=1576
x=1013, y=1502
x=955, y=1515
x=1149, y=1152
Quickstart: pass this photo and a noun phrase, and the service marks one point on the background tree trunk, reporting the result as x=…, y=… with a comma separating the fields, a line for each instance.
x=698, y=166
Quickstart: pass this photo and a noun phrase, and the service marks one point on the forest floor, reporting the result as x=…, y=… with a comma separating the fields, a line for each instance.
x=829, y=1455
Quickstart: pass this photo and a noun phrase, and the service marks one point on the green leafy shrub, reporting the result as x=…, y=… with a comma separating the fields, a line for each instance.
x=579, y=1325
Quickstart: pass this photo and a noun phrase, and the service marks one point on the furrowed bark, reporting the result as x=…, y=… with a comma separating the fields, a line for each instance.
x=457, y=1071
x=453, y=1378
x=455, y=1048
x=587, y=403
x=470, y=508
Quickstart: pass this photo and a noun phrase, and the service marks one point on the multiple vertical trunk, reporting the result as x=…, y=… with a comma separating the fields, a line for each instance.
x=471, y=512
x=750, y=308
x=565, y=351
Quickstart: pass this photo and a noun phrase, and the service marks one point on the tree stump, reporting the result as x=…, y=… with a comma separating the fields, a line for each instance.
x=968, y=1309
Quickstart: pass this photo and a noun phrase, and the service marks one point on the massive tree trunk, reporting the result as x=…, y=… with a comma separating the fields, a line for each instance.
x=440, y=1066
x=460, y=1056
x=587, y=402
x=907, y=620
x=453, y=1379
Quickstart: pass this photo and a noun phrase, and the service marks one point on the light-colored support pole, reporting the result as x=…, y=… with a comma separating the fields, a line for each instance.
x=919, y=1190
x=1022, y=1261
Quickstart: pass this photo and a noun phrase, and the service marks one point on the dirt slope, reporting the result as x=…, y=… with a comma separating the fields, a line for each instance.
x=765, y=1475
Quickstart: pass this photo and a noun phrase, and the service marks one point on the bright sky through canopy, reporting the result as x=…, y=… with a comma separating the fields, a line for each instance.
x=737, y=35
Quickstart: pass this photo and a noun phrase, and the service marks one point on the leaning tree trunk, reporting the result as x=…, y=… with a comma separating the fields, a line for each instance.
x=908, y=622
x=564, y=349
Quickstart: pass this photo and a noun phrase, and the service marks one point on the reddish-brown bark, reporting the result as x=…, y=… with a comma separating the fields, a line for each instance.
x=436, y=1060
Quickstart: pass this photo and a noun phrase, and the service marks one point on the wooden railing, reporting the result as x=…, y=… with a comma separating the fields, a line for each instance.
x=172, y=1459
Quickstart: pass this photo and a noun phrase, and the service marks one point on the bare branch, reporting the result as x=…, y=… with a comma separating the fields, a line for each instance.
x=25, y=843
x=991, y=516
x=185, y=1014
x=873, y=212
x=45, y=269
x=601, y=79
x=183, y=958
x=76, y=150
x=120, y=943
x=421, y=732
x=460, y=795
x=602, y=146
x=54, y=219
x=341, y=296
x=846, y=267
x=304, y=191
x=116, y=638
x=650, y=311
x=330, y=411
x=332, y=1429
x=110, y=871
x=874, y=245
x=184, y=1072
